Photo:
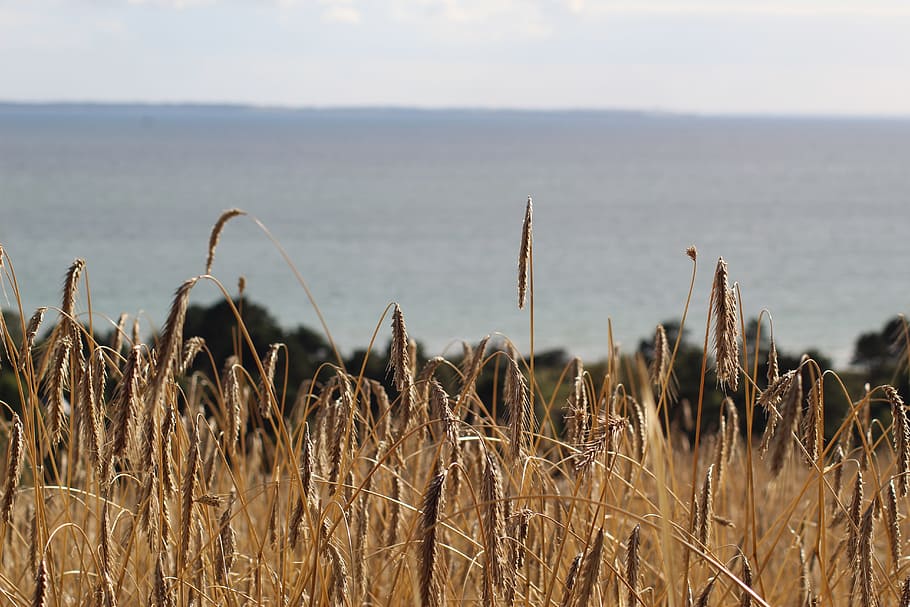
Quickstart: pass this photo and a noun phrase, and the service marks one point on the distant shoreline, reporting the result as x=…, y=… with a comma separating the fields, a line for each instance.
x=180, y=107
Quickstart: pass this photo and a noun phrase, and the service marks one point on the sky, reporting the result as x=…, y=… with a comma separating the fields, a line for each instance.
x=710, y=56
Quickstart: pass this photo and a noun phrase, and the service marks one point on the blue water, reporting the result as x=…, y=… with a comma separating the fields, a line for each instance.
x=425, y=208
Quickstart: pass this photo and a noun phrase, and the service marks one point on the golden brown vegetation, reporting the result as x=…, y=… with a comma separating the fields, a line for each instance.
x=130, y=481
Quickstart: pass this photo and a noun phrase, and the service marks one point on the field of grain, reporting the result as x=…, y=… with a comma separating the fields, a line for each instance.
x=131, y=480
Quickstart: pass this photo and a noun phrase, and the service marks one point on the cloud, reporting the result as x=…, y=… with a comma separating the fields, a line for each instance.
x=341, y=14
x=179, y=4
x=812, y=8
x=504, y=18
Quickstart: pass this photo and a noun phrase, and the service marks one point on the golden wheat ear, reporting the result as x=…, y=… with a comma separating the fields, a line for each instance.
x=14, y=459
x=399, y=357
x=901, y=435
x=705, y=594
x=905, y=593
x=524, y=255
x=723, y=303
x=39, y=597
x=215, y=236
x=433, y=502
x=266, y=384
x=633, y=565
x=590, y=570
x=31, y=331
x=745, y=599
x=892, y=519
x=519, y=410
x=571, y=577
x=493, y=525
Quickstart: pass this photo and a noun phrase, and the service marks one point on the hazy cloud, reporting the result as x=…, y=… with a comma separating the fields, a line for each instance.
x=496, y=18
x=180, y=4
x=341, y=14
x=806, y=8
x=698, y=55
x=329, y=11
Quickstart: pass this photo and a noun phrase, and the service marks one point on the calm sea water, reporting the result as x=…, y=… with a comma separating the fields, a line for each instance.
x=425, y=208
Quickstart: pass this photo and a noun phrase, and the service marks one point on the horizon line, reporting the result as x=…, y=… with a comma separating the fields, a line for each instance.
x=391, y=107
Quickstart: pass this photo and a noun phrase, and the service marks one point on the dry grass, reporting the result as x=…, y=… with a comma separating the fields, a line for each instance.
x=130, y=482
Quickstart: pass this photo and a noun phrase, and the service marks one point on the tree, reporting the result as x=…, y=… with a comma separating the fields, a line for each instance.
x=217, y=324
x=879, y=351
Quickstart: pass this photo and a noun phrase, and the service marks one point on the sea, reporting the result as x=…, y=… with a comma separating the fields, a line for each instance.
x=425, y=208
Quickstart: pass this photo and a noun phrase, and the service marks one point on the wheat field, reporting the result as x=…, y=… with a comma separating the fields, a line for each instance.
x=132, y=480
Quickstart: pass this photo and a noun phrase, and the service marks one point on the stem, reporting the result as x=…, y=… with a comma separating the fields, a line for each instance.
x=531, y=288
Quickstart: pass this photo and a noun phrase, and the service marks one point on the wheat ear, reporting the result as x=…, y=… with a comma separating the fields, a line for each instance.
x=394, y=510
x=14, y=458
x=224, y=544
x=303, y=500
x=430, y=584
x=266, y=387
x=773, y=367
x=524, y=254
x=725, y=347
x=892, y=518
x=171, y=340
x=162, y=592
x=853, y=518
x=901, y=434
x=659, y=370
x=232, y=405
x=706, y=509
x=705, y=594
x=56, y=416
x=590, y=570
x=633, y=565
x=571, y=577
x=188, y=492
x=745, y=599
x=39, y=598
x=791, y=411
x=863, y=565
x=34, y=323
x=493, y=526
x=126, y=406
x=215, y=236
x=117, y=338
x=576, y=410
x=810, y=434
x=399, y=359
x=519, y=407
